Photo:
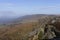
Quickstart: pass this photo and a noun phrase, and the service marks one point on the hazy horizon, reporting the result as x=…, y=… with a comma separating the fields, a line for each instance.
x=16, y=8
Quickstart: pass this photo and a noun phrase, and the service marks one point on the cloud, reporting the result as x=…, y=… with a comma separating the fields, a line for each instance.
x=7, y=14
x=6, y=4
x=18, y=9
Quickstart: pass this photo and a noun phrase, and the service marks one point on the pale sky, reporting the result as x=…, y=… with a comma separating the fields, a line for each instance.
x=14, y=8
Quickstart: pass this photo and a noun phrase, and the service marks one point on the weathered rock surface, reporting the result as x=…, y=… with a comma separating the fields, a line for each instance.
x=51, y=33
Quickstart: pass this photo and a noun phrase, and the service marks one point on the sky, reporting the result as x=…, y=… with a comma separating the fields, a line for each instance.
x=15, y=8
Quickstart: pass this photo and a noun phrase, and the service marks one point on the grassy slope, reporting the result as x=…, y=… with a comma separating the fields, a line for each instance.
x=17, y=32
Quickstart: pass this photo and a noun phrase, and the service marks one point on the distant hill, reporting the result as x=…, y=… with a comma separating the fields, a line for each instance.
x=29, y=18
x=23, y=19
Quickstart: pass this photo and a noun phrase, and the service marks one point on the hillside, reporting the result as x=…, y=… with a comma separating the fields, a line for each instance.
x=31, y=18
x=22, y=27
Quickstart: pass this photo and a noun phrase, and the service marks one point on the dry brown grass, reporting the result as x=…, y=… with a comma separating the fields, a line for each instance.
x=18, y=31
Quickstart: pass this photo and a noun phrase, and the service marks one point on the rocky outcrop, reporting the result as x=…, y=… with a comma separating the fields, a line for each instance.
x=52, y=30
x=48, y=30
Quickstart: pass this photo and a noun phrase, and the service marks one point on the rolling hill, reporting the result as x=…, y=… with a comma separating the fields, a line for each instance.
x=21, y=26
